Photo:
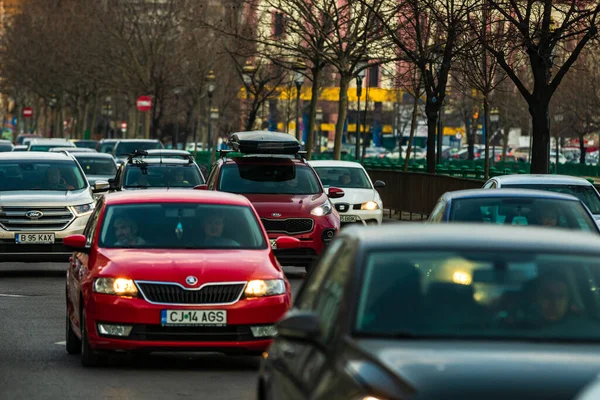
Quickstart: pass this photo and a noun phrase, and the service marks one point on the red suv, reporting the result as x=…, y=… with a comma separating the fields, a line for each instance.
x=285, y=191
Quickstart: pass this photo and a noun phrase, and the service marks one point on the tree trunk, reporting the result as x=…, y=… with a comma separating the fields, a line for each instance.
x=316, y=72
x=94, y=119
x=342, y=112
x=582, y=152
x=486, y=127
x=432, y=116
x=539, y=111
x=413, y=128
x=45, y=126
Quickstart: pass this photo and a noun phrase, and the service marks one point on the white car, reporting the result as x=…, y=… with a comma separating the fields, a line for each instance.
x=361, y=202
x=581, y=188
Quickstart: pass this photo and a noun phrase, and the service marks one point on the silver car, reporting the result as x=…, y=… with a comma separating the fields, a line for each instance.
x=581, y=188
x=44, y=197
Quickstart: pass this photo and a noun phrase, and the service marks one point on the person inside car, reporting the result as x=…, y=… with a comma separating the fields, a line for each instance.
x=546, y=216
x=126, y=232
x=54, y=180
x=345, y=180
x=213, y=226
x=552, y=298
x=179, y=179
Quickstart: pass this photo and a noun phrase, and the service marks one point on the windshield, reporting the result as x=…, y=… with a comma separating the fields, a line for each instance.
x=6, y=147
x=97, y=166
x=86, y=144
x=284, y=178
x=106, y=147
x=483, y=295
x=47, y=147
x=523, y=211
x=126, y=148
x=162, y=175
x=40, y=175
x=343, y=177
x=181, y=226
x=587, y=194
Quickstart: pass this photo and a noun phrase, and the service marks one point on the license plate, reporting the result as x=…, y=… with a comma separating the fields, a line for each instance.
x=273, y=243
x=348, y=218
x=193, y=317
x=34, y=238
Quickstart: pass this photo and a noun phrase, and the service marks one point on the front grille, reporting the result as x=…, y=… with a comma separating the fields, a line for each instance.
x=52, y=219
x=231, y=333
x=342, y=207
x=290, y=225
x=175, y=294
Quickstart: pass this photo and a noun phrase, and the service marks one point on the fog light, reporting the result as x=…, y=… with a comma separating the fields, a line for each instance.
x=263, y=331
x=328, y=235
x=114, y=330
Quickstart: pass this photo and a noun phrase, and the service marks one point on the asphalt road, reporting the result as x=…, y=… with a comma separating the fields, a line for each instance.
x=35, y=365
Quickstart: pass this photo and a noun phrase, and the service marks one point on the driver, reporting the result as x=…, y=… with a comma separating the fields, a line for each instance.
x=213, y=226
x=54, y=179
x=553, y=298
x=126, y=232
x=345, y=180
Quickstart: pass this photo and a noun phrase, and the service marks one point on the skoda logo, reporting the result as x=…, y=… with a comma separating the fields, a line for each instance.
x=275, y=215
x=191, y=280
x=34, y=214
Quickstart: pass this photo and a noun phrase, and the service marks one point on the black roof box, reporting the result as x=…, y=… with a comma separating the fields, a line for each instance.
x=264, y=142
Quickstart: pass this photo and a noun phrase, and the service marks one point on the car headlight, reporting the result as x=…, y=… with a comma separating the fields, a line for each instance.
x=369, y=205
x=323, y=209
x=262, y=288
x=83, y=209
x=116, y=286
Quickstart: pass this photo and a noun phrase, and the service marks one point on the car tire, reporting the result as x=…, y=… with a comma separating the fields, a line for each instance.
x=89, y=358
x=73, y=343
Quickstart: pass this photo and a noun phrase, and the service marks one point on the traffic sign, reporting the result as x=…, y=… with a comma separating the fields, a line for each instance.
x=27, y=112
x=458, y=136
x=144, y=103
x=124, y=125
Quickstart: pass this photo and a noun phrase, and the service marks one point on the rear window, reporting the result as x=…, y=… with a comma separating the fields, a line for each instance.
x=5, y=147
x=586, y=194
x=181, y=226
x=284, y=178
x=47, y=147
x=106, y=147
x=41, y=175
x=523, y=211
x=126, y=148
x=163, y=176
x=97, y=166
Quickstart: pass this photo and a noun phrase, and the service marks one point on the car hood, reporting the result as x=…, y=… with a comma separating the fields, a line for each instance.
x=454, y=370
x=356, y=196
x=287, y=205
x=176, y=265
x=39, y=198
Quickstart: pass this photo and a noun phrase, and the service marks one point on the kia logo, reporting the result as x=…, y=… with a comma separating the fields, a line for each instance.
x=275, y=215
x=191, y=280
x=34, y=214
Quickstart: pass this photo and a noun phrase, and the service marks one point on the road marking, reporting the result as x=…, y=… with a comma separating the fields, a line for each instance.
x=61, y=343
x=11, y=295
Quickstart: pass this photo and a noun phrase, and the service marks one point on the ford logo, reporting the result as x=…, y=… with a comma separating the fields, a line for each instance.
x=34, y=214
x=275, y=215
x=191, y=280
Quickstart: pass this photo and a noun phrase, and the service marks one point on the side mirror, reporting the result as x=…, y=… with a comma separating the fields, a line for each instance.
x=379, y=184
x=76, y=243
x=287, y=242
x=335, y=193
x=101, y=186
x=201, y=187
x=300, y=325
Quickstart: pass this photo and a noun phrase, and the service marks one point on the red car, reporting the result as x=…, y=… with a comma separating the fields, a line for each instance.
x=173, y=270
x=284, y=189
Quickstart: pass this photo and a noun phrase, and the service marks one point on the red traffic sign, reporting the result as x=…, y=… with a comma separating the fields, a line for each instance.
x=144, y=103
x=27, y=112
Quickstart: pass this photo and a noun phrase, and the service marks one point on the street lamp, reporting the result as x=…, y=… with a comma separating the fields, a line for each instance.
x=210, y=89
x=494, y=118
x=361, y=68
x=213, y=116
x=248, y=72
x=319, y=119
x=298, y=68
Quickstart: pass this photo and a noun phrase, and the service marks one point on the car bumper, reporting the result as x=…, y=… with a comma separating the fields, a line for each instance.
x=148, y=334
x=361, y=217
x=10, y=251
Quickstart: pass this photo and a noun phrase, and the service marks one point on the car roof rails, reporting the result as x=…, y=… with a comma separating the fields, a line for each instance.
x=170, y=153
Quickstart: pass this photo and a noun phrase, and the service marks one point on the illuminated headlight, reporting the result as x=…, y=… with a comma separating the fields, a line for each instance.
x=323, y=209
x=83, y=209
x=116, y=286
x=369, y=205
x=263, y=331
x=260, y=288
x=114, y=330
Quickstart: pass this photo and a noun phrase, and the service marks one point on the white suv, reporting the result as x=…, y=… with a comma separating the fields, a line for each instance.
x=44, y=197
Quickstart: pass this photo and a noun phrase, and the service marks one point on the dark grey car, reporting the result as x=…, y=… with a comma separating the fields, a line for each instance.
x=447, y=311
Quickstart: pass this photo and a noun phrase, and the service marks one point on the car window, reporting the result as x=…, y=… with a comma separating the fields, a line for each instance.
x=212, y=178
x=523, y=211
x=284, y=178
x=41, y=175
x=343, y=177
x=181, y=226
x=97, y=166
x=106, y=147
x=126, y=148
x=162, y=175
x=437, y=215
x=587, y=194
x=92, y=224
x=477, y=294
